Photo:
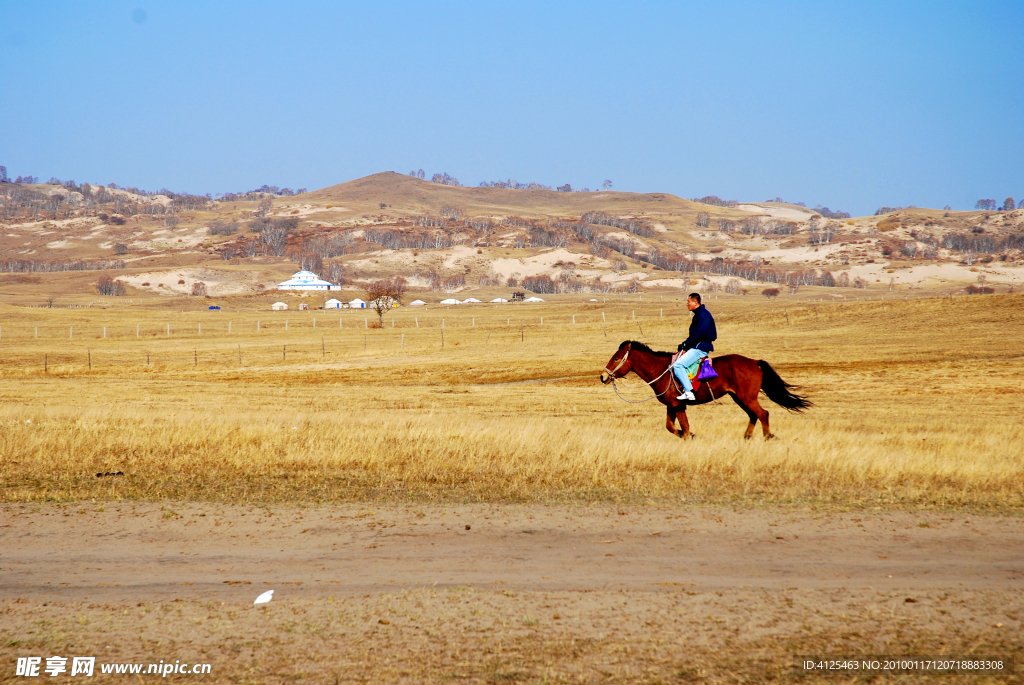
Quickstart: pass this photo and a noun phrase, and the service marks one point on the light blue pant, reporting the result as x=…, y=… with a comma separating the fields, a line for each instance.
x=687, y=359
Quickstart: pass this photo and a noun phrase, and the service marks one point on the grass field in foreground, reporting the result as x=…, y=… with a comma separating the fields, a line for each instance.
x=918, y=404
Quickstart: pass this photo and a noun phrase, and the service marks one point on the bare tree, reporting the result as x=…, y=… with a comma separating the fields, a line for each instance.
x=266, y=204
x=703, y=219
x=199, y=289
x=1008, y=204
x=384, y=294
x=108, y=286
x=607, y=185
x=120, y=248
x=275, y=237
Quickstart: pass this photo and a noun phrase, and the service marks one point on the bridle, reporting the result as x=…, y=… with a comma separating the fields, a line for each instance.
x=619, y=366
x=650, y=383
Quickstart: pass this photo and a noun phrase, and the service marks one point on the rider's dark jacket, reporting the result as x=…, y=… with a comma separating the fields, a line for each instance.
x=702, y=331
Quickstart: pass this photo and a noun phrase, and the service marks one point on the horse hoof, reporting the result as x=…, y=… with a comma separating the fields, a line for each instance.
x=746, y=437
x=769, y=437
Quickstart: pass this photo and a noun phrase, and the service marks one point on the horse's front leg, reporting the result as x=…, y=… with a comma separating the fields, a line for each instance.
x=684, y=424
x=670, y=421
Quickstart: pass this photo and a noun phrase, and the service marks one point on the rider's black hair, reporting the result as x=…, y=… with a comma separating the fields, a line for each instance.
x=695, y=296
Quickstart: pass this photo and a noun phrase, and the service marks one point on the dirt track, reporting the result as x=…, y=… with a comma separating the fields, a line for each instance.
x=637, y=592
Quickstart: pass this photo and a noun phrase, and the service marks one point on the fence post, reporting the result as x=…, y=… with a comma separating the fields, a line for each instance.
x=195, y=357
x=200, y=329
x=366, y=322
x=71, y=332
x=323, y=347
x=417, y=322
x=229, y=328
x=602, y=317
x=574, y=319
x=605, y=332
x=257, y=325
x=104, y=332
x=314, y=322
x=37, y=331
x=168, y=329
x=89, y=352
x=46, y=363
x=147, y=359
x=474, y=323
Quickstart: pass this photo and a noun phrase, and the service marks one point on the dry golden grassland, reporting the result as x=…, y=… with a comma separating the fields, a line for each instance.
x=918, y=404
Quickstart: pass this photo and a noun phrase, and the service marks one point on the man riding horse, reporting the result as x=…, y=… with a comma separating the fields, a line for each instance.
x=697, y=345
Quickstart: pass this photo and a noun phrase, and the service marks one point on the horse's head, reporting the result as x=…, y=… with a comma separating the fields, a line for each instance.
x=618, y=366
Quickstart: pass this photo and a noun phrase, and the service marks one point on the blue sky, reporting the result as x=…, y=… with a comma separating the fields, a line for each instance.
x=853, y=106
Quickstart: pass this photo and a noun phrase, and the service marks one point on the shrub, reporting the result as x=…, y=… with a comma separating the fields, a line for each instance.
x=770, y=292
x=889, y=225
x=117, y=220
x=120, y=248
x=199, y=289
x=181, y=281
x=703, y=219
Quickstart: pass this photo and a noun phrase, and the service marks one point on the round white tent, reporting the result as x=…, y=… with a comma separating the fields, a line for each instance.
x=499, y=299
x=417, y=303
x=279, y=306
x=470, y=300
x=533, y=299
x=450, y=301
x=306, y=280
x=332, y=304
x=357, y=304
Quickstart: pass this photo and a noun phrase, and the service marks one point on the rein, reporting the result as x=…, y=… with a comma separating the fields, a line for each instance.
x=650, y=383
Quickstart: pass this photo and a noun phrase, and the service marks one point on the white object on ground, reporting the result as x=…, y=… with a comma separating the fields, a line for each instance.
x=265, y=597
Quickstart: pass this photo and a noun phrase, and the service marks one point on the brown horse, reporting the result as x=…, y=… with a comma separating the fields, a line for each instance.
x=741, y=378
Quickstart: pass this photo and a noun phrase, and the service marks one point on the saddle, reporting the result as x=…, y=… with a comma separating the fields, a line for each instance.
x=701, y=370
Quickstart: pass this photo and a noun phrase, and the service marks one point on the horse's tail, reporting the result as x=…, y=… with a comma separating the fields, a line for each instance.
x=779, y=391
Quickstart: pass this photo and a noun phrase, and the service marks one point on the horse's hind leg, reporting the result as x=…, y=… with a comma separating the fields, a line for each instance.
x=750, y=415
x=762, y=414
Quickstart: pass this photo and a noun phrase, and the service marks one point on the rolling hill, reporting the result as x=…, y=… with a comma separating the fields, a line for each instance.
x=57, y=242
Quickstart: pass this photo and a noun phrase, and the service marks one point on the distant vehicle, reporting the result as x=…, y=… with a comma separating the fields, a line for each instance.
x=518, y=297
x=214, y=307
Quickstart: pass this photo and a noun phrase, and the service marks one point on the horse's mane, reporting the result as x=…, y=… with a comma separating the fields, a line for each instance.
x=640, y=347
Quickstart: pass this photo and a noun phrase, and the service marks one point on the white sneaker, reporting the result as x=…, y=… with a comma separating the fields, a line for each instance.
x=688, y=395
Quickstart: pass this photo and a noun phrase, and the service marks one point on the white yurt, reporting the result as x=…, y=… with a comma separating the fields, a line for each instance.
x=417, y=303
x=279, y=306
x=306, y=280
x=470, y=300
x=533, y=299
x=332, y=304
x=450, y=301
x=499, y=299
x=357, y=304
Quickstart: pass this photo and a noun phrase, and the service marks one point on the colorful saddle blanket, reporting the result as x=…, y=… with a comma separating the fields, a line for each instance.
x=700, y=370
